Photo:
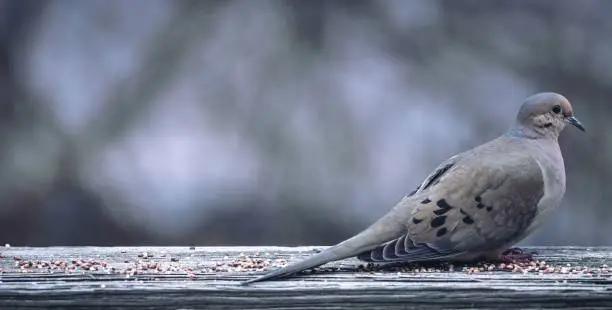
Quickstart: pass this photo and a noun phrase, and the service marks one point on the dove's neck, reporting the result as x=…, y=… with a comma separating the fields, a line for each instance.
x=545, y=147
x=531, y=132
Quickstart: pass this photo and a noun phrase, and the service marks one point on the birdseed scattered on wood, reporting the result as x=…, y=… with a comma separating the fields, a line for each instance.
x=147, y=264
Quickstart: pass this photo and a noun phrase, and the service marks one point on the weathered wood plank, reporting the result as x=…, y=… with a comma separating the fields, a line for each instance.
x=176, y=277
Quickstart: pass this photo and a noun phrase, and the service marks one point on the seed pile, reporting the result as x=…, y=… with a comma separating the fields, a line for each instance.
x=146, y=264
x=540, y=267
x=245, y=264
x=25, y=265
x=525, y=266
x=168, y=265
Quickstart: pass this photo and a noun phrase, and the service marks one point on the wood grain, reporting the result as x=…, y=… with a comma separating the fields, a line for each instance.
x=188, y=278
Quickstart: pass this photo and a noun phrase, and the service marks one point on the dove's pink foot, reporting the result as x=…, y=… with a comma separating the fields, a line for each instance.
x=514, y=255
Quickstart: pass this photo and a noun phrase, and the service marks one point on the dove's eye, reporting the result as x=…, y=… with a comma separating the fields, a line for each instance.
x=556, y=109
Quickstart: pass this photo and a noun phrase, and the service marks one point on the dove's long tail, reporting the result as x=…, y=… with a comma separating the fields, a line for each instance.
x=383, y=230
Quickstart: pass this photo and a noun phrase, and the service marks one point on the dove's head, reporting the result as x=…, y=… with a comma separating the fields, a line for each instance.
x=544, y=115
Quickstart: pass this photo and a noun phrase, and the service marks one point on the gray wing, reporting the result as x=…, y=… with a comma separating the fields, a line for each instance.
x=467, y=206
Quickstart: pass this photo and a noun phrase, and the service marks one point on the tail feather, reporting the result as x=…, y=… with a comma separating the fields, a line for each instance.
x=310, y=262
x=381, y=231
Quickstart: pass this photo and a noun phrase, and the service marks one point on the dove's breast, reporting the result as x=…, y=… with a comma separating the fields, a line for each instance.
x=551, y=164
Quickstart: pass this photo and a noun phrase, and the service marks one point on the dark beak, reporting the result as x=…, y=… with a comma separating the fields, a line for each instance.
x=574, y=121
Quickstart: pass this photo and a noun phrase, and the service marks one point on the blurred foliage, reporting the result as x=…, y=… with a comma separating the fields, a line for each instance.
x=278, y=122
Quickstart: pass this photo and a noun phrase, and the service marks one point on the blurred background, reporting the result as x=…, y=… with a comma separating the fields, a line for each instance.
x=152, y=122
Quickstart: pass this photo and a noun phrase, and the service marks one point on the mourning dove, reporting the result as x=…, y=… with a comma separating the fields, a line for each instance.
x=475, y=204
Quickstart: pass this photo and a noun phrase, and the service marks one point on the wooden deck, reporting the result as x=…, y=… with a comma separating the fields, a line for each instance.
x=187, y=278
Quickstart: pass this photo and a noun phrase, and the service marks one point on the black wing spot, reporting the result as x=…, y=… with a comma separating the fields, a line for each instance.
x=468, y=220
x=416, y=220
x=444, y=207
x=437, y=175
x=478, y=199
x=480, y=205
x=441, y=232
x=426, y=201
x=443, y=204
x=438, y=221
x=489, y=208
x=441, y=211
